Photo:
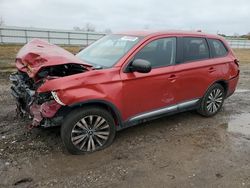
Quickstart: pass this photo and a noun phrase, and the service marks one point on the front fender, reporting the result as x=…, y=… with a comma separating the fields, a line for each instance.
x=103, y=103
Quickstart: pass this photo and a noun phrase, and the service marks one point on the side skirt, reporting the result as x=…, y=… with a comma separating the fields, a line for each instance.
x=169, y=110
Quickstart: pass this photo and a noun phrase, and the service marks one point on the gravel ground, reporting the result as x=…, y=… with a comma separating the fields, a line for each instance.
x=184, y=150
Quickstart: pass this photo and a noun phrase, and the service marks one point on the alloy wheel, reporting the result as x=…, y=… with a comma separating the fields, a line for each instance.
x=215, y=100
x=90, y=133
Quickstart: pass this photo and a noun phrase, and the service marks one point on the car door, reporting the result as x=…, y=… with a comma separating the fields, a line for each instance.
x=147, y=92
x=196, y=71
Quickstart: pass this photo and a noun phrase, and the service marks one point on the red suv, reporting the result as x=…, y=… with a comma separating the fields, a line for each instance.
x=121, y=80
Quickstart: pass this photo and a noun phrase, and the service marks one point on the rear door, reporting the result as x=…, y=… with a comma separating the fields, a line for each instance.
x=195, y=71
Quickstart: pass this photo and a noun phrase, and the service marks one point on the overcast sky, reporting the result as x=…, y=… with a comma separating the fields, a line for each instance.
x=223, y=16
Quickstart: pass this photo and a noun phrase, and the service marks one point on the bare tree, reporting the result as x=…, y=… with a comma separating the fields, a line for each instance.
x=248, y=36
x=1, y=21
x=88, y=27
x=236, y=35
x=76, y=28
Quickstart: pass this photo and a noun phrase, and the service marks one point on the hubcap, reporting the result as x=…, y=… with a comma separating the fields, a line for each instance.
x=90, y=133
x=214, y=100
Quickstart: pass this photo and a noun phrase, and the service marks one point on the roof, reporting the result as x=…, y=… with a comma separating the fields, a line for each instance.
x=145, y=33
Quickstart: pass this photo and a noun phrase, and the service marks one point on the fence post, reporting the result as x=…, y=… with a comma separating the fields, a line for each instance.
x=68, y=38
x=26, y=37
x=1, y=38
x=87, y=39
x=48, y=36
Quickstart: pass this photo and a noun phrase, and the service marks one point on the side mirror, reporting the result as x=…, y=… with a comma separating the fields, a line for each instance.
x=140, y=65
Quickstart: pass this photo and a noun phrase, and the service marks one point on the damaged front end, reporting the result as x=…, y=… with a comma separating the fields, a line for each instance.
x=39, y=62
x=40, y=107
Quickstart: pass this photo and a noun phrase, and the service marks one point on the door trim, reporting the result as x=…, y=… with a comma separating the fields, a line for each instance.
x=180, y=107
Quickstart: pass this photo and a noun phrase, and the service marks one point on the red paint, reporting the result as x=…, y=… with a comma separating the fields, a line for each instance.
x=131, y=93
x=46, y=110
x=38, y=53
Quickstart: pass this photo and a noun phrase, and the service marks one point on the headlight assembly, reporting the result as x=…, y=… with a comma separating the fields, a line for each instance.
x=54, y=94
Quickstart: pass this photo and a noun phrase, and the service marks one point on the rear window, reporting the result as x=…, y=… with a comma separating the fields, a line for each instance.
x=195, y=49
x=217, y=48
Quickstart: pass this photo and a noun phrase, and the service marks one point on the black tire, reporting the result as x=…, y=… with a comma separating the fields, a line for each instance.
x=209, y=107
x=72, y=129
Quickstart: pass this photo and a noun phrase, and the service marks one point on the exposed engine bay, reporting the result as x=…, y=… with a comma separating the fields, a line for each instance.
x=39, y=62
x=60, y=70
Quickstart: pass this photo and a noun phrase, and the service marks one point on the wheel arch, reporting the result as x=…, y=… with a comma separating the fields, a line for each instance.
x=223, y=83
x=110, y=107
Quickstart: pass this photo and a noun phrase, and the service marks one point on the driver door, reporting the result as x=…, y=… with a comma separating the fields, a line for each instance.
x=147, y=92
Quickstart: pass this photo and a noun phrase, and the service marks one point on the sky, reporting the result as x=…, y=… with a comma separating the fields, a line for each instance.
x=212, y=16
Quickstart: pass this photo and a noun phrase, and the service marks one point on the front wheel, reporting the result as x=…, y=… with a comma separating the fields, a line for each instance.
x=87, y=130
x=213, y=100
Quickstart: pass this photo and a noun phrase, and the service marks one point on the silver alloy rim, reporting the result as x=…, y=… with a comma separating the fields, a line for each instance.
x=214, y=100
x=90, y=133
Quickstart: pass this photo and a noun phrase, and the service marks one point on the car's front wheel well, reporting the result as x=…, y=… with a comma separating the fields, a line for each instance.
x=108, y=107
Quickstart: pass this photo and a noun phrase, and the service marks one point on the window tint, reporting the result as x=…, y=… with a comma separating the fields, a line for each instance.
x=195, y=49
x=217, y=47
x=159, y=53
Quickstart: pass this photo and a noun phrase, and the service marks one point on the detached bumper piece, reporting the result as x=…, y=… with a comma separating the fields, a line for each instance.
x=44, y=111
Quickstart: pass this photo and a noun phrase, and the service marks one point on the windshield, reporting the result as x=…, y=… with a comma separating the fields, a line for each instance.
x=108, y=50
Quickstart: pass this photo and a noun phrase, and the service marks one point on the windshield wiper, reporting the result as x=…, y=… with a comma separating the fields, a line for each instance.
x=97, y=67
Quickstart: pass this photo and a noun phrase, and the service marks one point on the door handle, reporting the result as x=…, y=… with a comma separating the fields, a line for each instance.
x=172, y=77
x=211, y=69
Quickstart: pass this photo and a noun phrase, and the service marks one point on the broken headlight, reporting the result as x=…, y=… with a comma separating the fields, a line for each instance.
x=57, y=99
x=44, y=97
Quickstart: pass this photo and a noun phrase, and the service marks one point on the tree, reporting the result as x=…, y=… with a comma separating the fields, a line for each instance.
x=221, y=34
x=88, y=28
x=236, y=35
x=76, y=28
x=248, y=36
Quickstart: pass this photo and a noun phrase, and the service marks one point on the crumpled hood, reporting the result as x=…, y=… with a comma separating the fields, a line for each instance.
x=39, y=53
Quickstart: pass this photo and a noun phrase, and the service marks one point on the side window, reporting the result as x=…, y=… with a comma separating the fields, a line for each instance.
x=159, y=53
x=195, y=49
x=217, y=47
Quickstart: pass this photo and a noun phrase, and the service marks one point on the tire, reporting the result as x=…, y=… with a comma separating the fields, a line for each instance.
x=212, y=101
x=86, y=130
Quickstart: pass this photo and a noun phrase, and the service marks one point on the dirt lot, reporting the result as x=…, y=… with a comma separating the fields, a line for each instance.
x=184, y=150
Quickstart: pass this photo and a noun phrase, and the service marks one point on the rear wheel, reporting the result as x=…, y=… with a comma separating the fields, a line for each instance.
x=87, y=130
x=213, y=100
